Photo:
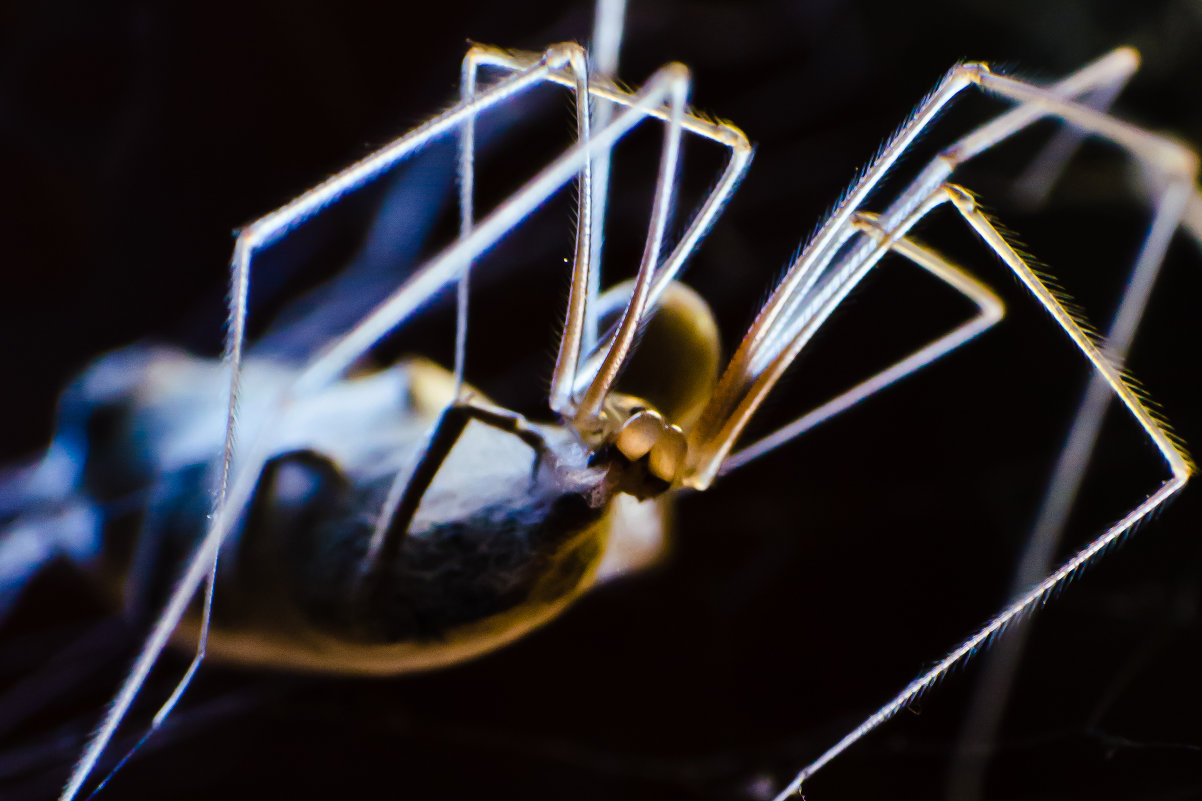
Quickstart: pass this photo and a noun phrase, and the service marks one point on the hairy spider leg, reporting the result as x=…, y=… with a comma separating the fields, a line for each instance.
x=1092, y=82
x=986, y=708
x=930, y=190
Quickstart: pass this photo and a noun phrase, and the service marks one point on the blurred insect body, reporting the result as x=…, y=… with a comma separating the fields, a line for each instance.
x=355, y=540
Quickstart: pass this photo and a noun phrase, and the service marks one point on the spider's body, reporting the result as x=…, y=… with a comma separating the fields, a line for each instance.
x=504, y=537
x=515, y=520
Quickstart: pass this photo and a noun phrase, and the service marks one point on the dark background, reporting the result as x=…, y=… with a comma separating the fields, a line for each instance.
x=802, y=592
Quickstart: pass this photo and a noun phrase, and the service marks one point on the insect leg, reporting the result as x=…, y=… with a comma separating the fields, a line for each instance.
x=990, y=311
x=1174, y=456
x=336, y=358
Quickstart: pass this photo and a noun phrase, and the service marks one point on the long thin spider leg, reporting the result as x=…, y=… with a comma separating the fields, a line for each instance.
x=722, y=133
x=1109, y=73
x=707, y=447
x=671, y=267
x=755, y=369
x=1177, y=462
x=811, y=289
x=809, y=269
x=989, y=312
x=608, y=24
x=467, y=191
x=769, y=347
x=984, y=715
x=739, y=160
x=588, y=411
x=1167, y=155
x=327, y=366
x=816, y=281
x=568, y=359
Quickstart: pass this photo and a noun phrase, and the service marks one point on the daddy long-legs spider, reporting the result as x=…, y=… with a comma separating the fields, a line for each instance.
x=735, y=635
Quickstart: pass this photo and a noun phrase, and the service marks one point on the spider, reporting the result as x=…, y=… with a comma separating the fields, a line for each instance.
x=866, y=221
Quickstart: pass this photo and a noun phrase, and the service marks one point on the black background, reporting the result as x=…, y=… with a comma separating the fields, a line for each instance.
x=802, y=592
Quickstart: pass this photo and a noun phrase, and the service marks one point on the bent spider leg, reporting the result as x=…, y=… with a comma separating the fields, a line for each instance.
x=815, y=282
x=577, y=65
x=1175, y=458
x=1098, y=82
x=989, y=312
x=568, y=358
x=337, y=357
x=813, y=286
x=795, y=291
x=773, y=342
x=587, y=411
x=985, y=710
x=721, y=133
